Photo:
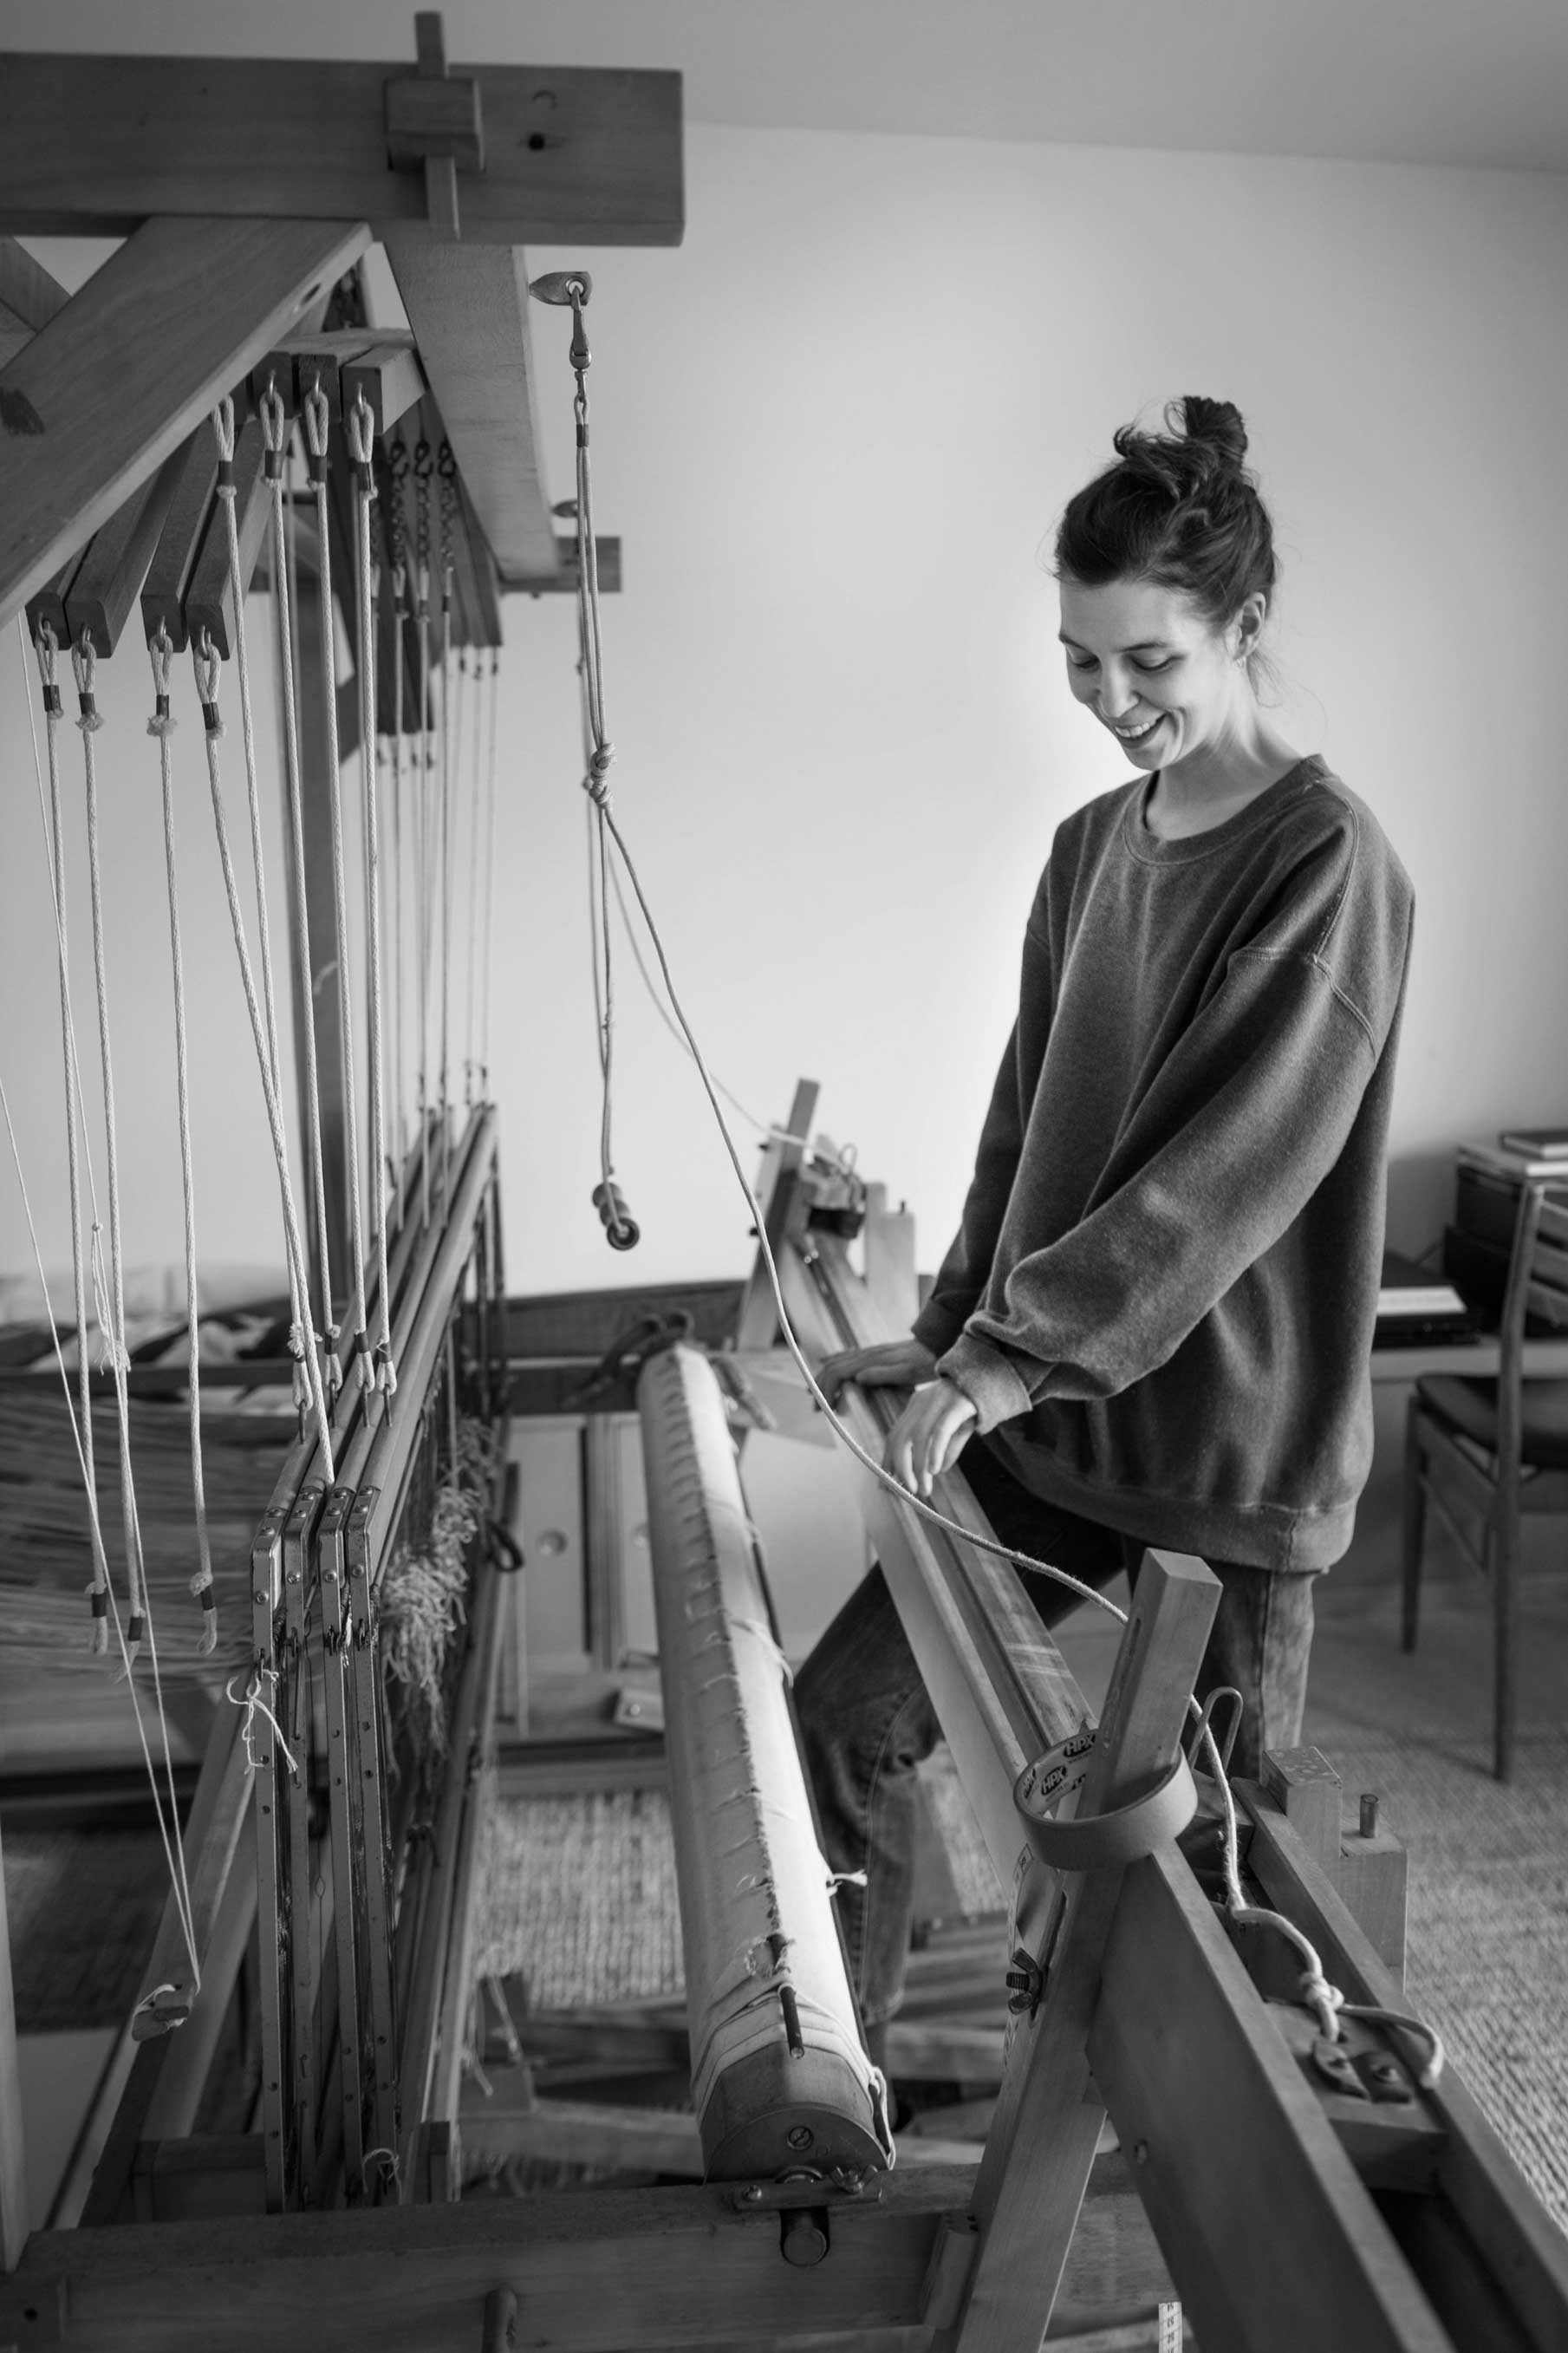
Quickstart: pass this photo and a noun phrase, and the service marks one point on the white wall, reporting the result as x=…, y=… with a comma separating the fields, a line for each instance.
x=833, y=431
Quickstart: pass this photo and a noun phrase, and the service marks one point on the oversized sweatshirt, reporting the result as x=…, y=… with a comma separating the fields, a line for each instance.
x=1161, y=1298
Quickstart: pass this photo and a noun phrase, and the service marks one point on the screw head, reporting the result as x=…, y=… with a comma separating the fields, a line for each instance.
x=801, y=2136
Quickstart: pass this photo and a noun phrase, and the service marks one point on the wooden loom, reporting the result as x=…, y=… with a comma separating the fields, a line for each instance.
x=1284, y=2218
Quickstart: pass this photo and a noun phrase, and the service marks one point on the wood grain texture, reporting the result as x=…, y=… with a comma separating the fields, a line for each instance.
x=13, y=2168
x=118, y=377
x=108, y=581
x=93, y=146
x=29, y=297
x=468, y=308
x=1270, y=2236
x=1040, y=2149
x=594, y=2270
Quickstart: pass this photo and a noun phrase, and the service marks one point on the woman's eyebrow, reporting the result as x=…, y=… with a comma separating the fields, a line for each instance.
x=1144, y=645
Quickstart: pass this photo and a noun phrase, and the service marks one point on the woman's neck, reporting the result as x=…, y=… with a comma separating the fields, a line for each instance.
x=1213, y=786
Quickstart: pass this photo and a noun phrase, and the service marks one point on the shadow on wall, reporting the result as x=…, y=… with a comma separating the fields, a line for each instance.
x=1420, y=1201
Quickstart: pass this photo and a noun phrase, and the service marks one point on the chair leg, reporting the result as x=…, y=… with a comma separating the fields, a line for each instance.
x=1413, y=1524
x=1505, y=1552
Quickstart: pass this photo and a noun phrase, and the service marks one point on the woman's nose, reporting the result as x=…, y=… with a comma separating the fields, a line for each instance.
x=1114, y=698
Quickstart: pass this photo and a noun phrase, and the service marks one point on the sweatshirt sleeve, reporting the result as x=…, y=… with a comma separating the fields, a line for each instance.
x=1238, y=1129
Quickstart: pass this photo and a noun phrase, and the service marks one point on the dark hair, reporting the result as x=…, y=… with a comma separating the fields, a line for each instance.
x=1181, y=508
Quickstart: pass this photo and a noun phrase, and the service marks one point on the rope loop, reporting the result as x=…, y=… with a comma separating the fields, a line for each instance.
x=274, y=419
x=223, y=428
x=84, y=667
x=253, y=1705
x=360, y=427
x=160, y=654
x=207, y=664
x=313, y=408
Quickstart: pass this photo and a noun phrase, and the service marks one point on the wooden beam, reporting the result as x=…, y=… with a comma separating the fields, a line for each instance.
x=95, y=145
x=108, y=581
x=468, y=308
x=14, y=2217
x=595, y=2271
x=29, y=297
x=1041, y=2147
x=1270, y=2236
x=757, y=1324
x=116, y=381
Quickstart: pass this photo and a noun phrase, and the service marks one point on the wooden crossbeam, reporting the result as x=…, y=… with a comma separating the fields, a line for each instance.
x=595, y=2271
x=95, y=145
x=134, y=361
x=468, y=308
x=29, y=297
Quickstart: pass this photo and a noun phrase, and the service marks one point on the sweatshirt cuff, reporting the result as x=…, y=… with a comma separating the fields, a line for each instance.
x=989, y=1379
x=937, y=1328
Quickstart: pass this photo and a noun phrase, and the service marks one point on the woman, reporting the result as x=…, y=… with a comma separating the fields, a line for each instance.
x=1154, y=1325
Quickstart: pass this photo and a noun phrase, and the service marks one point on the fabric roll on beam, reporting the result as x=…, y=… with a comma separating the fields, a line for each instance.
x=781, y=2079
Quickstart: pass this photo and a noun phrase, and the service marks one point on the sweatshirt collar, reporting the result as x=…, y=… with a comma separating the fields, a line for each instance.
x=1312, y=770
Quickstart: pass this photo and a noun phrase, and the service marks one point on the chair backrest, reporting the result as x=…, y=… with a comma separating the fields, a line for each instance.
x=1536, y=1292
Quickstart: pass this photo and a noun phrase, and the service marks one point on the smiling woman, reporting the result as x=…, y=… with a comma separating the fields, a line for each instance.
x=1154, y=1324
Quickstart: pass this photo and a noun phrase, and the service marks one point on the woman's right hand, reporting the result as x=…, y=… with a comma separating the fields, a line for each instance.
x=890, y=1364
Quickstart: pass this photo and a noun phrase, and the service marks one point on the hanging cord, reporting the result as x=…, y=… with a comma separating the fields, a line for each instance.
x=162, y=725
x=447, y=484
x=209, y=666
x=223, y=431
x=276, y=439
x=54, y=841
x=490, y=879
x=168, y=1826
x=140, y=1623
x=84, y=664
x=398, y=535
x=316, y=421
x=422, y=761
x=476, y=809
x=361, y=427
x=598, y=752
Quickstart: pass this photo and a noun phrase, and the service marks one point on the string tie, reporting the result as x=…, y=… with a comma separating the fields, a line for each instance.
x=202, y=1587
x=98, y=1598
x=159, y=653
x=84, y=663
x=207, y=663
x=253, y=1705
x=595, y=783
x=385, y=1370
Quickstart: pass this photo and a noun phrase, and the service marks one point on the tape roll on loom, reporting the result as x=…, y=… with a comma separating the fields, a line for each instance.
x=781, y=2080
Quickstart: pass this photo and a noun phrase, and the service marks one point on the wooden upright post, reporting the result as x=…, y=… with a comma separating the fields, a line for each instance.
x=326, y=945
x=12, y=2172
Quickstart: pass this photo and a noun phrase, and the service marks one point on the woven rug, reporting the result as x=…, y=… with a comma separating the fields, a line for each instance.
x=578, y=1896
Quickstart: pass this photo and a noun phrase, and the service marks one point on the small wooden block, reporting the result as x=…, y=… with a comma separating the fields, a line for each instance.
x=163, y=591
x=1373, y=1876
x=1306, y=1787
x=390, y=377
x=109, y=578
x=49, y=604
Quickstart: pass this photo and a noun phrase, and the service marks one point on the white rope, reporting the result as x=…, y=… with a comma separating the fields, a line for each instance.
x=178, y=1883
x=84, y=664
x=253, y=1705
x=361, y=433
x=162, y=725
x=222, y=430
x=486, y=975
x=449, y=716
x=316, y=421
x=54, y=843
x=209, y=669
x=275, y=437
x=475, y=807
x=423, y=864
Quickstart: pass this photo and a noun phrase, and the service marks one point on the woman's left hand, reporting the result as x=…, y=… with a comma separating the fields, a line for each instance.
x=929, y=1436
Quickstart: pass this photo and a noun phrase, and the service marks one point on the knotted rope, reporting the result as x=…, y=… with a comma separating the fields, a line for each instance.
x=162, y=725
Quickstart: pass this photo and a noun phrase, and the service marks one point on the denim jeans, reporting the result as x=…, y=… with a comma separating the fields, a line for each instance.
x=867, y=1723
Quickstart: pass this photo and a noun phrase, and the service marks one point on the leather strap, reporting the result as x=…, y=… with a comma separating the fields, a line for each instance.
x=1109, y=1841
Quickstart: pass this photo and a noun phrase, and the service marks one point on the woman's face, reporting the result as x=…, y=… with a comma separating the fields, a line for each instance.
x=1154, y=670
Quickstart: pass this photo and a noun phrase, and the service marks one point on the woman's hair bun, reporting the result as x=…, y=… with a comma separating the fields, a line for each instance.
x=1216, y=423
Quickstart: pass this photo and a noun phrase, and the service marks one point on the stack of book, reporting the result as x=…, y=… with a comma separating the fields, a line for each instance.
x=1416, y=1306
x=1488, y=1176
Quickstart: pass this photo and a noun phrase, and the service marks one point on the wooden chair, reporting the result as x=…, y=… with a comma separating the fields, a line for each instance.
x=1488, y=1451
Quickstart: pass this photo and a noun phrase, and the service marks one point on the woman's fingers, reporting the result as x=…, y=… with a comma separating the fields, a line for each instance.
x=891, y=1364
x=929, y=1436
